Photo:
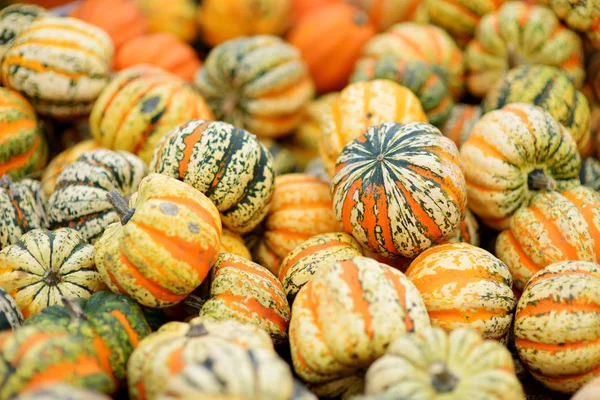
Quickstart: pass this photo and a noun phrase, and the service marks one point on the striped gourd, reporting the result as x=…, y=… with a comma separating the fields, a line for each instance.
x=284, y=161
x=227, y=164
x=464, y=286
x=43, y=266
x=10, y=316
x=554, y=227
x=511, y=155
x=301, y=208
x=14, y=19
x=459, y=123
x=417, y=76
x=61, y=392
x=139, y=106
x=434, y=364
x=179, y=18
x=23, y=146
x=233, y=243
x=79, y=200
x=549, y=88
x=589, y=175
x=398, y=189
x=344, y=318
x=60, y=64
x=555, y=326
x=582, y=16
x=258, y=83
x=385, y=13
x=21, y=209
x=467, y=231
x=163, y=247
x=247, y=292
x=148, y=371
x=359, y=106
x=516, y=34
x=298, y=267
x=424, y=42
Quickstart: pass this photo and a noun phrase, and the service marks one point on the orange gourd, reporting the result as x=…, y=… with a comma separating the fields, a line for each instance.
x=301, y=8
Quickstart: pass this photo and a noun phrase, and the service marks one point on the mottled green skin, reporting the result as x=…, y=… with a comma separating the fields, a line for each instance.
x=14, y=19
x=590, y=173
x=21, y=209
x=99, y=319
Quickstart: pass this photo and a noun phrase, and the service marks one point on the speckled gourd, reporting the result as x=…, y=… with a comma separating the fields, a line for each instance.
x=460, y=122
x=16, y=18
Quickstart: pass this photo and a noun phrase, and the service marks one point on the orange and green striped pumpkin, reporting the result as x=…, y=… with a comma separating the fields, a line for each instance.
x=359, y=106
x=555, y=325
x=14, y=19
x=247, y=292
x=460, y=122
x=344, y=318
x=589, y=175
x=398, y=189
x=583, y=16
x=554, y=227
x=233, y=243
x=511, y=155
x=60, y=65
x=464, y=286
x=165, y=244
x=228, y=164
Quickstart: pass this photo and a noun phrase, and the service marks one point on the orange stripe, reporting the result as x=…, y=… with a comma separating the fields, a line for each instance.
x=432, y=230
x=307, y=252
x=103, y=352
x=523, y=257
x=21, y=160
x=262, y=272
x=131, y=333
x=33, y=341
x=36, y=66
x=464, y=11
x=71, y=28
x=589, y=212
x=555, y=348
x=460, y=279
x=548, y=305
x=252, y=309
x=555, y=235
x=63, y=44
x=14, y=128
x=274, y=291
x=64, y=371
x=558, y=379
x=349, y=274
x=486, y=148
x=188, y=149
x=174, y=361
x=465, y=315
x=401, y=293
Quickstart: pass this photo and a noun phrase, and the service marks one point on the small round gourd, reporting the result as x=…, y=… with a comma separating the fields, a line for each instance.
x=398, y=189
x=10, y=316
x=14, y=19
x=61, y=392
x=460, y=122
x=179, y=18
x=233, y=243
x=589, y=174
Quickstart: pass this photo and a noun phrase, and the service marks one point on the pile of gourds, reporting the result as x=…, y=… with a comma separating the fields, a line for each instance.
x=299, y=199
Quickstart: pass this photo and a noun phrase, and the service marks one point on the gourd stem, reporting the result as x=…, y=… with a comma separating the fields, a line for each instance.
x=538, y=180
x=52, y=276
x=229, y=103
x=195, y=302
x=73, y=308
x=196, y=330
x=120, y=206
x=514, y=57
x=442, y=380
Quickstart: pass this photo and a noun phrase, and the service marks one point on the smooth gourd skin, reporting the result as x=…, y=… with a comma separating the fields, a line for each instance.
x=504, y=152
x=556, y=325
x=398, y=189
x=10, y=315
x=554, y=227
x=482, y=369
x=79, y=199
x=344, y=318
x=61, y=392
x=22, y=206
x=589, y=175
x=166, y=249
x=14, y=19
x=227, y=164
x=259, y=83
x=460, y=122
x=43, y=266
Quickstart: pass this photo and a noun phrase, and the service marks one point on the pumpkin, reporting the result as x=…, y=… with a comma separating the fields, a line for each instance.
x=590, y=391
x=398, y=189
x=60, y=65
x=121, y=19
x=43, y=266
x=460, y=122
x=516, y=34
x=60, y=162
x=298, y=267
x=22, y=209
x=163, y=50
x=424, y=42
x=284, y=161
x=589, y=175
x=23, y=146
x=227, y=164
x=344, y=318
x=512, y=154
x=464, y=286
x=233, y=243
x=164, y=246
x=182, y=344
x=301, y=208
x=61, y=392
x=14, y=19
x=338, y=30
x=10, y=316
x=439, y=365
x=579, y=15
x=259, y=83
x=385, y=13
x=467, y=231
x=549, y=88
x=179, y=18
x=361, y=105
x=113, y=321
x=248, y=293
x=554, y=227
x=79, y=199
x=31, y=358
x=139, y=106
x=301, y=8
x=555, y=322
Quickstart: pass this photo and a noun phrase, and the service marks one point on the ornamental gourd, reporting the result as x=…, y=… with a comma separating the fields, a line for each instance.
x=179, y=18
x=439, y=365
x=460, y=122
x=43, y=266
x=301, y=8
x=398, y=189
x=589, y=175
x=61, y=392
x=385, y=13
x=10, y=316
x=258, y=83
x=582, y=16
x=464, y=286
x=233, y=243
x=79, y=199
x=14, y=19
x=554, y=227
x=227, y=164
x=512, y=154
x=344, y=318
x=60, y=65
x=361, y=105
x=165, y=244
x=517, y=34
x=554, y=325
x=139, y=106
